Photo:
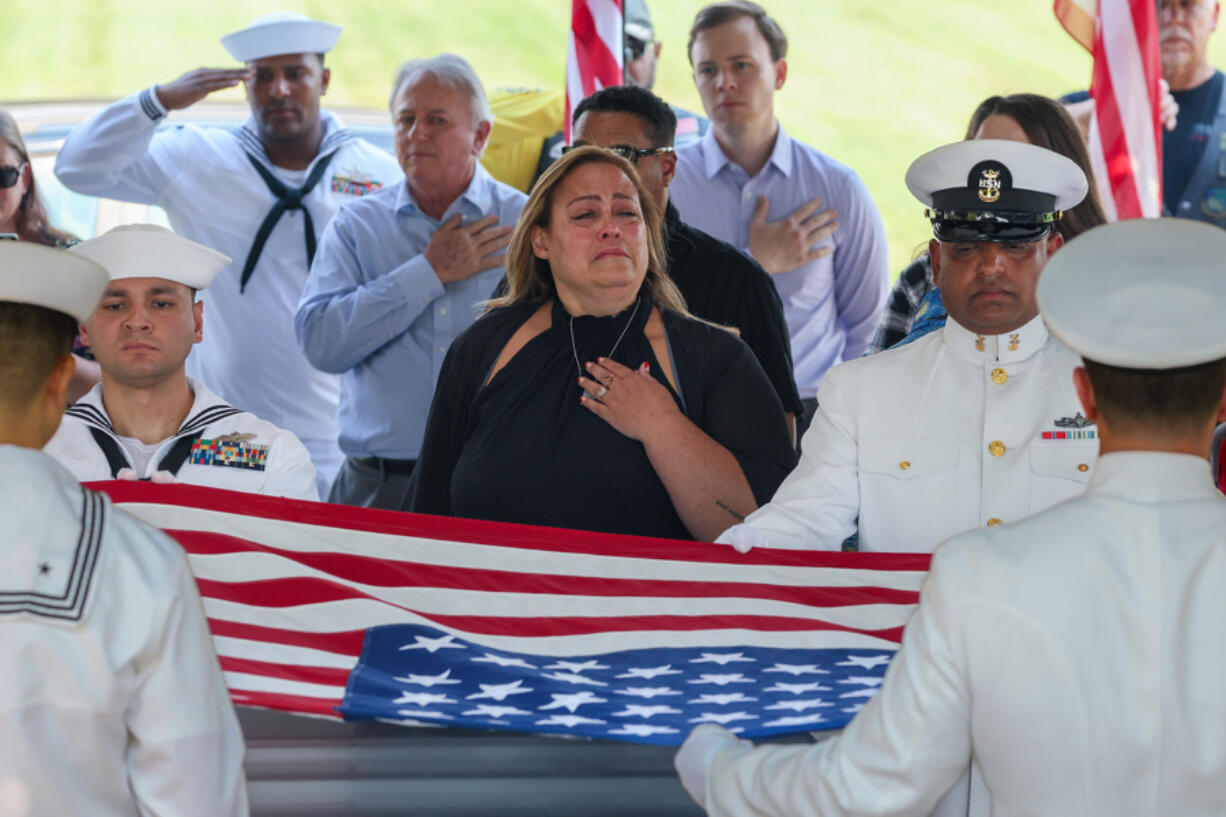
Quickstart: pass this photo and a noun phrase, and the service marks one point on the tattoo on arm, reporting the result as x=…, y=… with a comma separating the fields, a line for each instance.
x=738, y=517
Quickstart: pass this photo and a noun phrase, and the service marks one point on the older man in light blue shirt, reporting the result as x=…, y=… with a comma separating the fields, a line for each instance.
x=401, y=272
x=747, y=182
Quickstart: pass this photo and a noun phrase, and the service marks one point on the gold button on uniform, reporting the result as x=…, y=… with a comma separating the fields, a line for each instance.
x=996, y=448
x=1083, y=468
x=999, y=376
x=904, y=465
x=993, y=522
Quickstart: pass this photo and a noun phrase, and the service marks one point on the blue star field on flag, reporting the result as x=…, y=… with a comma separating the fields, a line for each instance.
x=414, y=673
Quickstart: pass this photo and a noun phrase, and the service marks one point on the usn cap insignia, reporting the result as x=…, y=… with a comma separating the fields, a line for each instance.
x=227, y=452
x=990, y=178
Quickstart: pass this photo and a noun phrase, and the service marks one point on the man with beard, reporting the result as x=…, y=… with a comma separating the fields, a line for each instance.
x=260, y=193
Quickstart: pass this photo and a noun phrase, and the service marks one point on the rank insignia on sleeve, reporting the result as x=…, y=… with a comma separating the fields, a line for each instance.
x=353, y=184
x=228, y=452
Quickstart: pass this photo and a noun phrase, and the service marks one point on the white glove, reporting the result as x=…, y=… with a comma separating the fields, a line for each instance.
x=695, y=755
x=743, y=538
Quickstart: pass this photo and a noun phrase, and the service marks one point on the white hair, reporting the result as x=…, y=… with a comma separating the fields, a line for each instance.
x=450, y=71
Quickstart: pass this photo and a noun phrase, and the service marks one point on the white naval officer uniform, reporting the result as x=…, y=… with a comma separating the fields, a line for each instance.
x=203, y=179
x=1080, y=654
x=233, y=449
x=113, y=701
x=913, y=445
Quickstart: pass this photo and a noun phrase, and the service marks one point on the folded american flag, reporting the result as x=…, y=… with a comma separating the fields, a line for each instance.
x=336, y=611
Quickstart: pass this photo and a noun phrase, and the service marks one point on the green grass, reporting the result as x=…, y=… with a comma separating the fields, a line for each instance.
x=874, y=83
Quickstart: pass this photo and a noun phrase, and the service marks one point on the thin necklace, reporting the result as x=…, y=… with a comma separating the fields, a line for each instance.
x=575, y=349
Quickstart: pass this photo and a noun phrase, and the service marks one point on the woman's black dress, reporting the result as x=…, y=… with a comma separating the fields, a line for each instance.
x=522, y=448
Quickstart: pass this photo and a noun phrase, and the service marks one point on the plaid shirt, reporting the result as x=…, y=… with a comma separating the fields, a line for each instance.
x=905, y=298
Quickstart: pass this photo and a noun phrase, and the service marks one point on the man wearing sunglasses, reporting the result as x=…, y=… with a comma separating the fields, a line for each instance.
x=642, y=55
x=720, y=283
x=261, y=193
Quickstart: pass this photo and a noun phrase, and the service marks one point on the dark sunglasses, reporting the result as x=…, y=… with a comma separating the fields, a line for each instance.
x=634, y=48
x=9, y=175
x=630, y=154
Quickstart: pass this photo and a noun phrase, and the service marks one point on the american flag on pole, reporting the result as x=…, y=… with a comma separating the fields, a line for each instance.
x=594, y=54
x=344, y=612
x=1125, y=138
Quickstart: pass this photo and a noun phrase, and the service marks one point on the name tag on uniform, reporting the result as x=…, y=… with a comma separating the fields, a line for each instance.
x=229, y=453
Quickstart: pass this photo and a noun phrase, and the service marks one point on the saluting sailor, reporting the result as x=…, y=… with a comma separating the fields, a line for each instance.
x=113, y=699
x=1079, y=656
x=969, y=427
x=147, y=419
x=261, y=193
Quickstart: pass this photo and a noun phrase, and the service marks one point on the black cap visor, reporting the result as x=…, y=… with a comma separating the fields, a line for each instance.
x=999, y=225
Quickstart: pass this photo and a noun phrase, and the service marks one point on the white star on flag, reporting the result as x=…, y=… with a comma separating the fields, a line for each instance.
x=570, y=721
x=489, y=710
x=800, y=706
x=798, y=689
x=643, y=730
x=572, y=701
x=490, y=658
x=798, y=669
x=715, y=717
x=721, y=658
x=723, y=680
x=572, y=678
x=499, y=692
x=853, y=709
x=867, y=680
x=647, y=673
x=860, y=693
x=722, y=700
x=645, y=711
x=428, y=680
x=421, y=713
x=796, y=720
x=573, y=666
x=866, y=661
x=423, y=698
x=433, y=645
x=646, y=692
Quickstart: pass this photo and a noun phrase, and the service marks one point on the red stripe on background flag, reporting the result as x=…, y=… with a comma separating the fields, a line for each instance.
x=1125, y=132
x=294, y=590
x=594, y=54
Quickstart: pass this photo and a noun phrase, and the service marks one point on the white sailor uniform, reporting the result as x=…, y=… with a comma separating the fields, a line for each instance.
x=113, y=701
x=952, y=432
x=217, y=446
x=205, y=180
x=1080, y=654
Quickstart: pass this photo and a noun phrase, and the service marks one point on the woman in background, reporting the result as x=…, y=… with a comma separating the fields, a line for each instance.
x=22, y=215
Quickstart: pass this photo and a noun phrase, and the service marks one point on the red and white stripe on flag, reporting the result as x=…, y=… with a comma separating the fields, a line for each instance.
x=1125, y=138
x=291, y=587
x=594, y=53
